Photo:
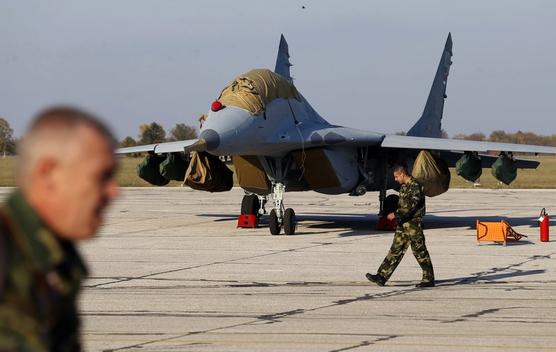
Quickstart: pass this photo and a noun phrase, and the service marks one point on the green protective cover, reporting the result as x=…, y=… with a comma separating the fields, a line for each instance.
x=173, y=167
x=504, y=169
x=149, y=171
x=469, y=167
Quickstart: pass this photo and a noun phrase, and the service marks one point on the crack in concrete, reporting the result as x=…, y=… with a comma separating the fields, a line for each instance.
x=366, y=343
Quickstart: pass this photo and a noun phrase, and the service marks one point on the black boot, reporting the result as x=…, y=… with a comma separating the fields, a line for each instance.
x=377, y=279
x=425, y=284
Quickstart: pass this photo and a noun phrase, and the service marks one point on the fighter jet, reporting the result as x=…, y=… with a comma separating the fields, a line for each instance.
x=280, y=144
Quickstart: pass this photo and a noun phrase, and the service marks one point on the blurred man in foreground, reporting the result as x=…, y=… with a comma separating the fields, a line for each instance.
x=66, y=179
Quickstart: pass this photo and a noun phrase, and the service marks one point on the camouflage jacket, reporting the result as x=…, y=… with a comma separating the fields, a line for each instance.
x=39, y=281
x=411, y=206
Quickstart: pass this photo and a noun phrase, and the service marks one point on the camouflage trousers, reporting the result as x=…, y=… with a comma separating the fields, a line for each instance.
x=410, y=233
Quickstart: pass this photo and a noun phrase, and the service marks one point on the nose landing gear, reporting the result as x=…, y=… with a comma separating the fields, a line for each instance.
x=278, y=216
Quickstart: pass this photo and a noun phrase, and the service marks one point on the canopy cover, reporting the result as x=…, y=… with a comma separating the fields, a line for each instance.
x=253, y=90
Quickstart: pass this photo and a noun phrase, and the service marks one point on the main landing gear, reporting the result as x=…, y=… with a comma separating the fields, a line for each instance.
x=250, y=205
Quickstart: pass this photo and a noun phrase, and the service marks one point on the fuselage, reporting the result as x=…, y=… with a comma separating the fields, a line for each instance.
x=287, y=128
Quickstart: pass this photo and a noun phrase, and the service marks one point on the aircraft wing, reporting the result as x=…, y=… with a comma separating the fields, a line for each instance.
x=168, y=147
x=409, y=142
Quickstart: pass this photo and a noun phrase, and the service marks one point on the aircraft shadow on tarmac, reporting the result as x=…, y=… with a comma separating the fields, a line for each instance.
x=358, y=224
x=362, y=224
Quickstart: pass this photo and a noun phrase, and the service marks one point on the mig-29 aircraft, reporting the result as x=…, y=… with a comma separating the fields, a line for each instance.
x=279, y=143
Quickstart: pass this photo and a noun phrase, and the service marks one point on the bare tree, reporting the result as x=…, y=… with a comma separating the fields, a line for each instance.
x=151, y=133
x=181, y=132
x=128, y=142
x=499, y=136
x=475, y=136
x=444, y=134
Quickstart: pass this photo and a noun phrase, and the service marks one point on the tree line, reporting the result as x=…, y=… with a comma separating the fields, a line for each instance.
x=148, y=134
x=154, y=133
x=519, y=137
x=500, y=136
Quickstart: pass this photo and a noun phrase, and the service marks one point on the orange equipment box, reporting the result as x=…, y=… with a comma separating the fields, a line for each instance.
x=496, y=232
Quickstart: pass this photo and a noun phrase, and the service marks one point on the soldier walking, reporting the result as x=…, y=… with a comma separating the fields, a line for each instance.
x=409, y=231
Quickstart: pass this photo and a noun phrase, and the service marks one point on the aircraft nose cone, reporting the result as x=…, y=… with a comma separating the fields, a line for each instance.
x=211, y=137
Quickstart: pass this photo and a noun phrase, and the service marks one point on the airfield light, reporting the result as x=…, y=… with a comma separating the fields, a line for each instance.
x=216, y=106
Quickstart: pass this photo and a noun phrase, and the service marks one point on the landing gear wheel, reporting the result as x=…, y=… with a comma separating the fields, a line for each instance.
x=289, y=222
x=250, y=205
x=273, y=223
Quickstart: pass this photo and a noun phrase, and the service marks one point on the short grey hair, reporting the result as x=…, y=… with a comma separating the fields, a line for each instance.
x=68, y=118
x=50, y=131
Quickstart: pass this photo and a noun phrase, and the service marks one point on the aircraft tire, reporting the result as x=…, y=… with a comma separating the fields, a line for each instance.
x=273, y=223
x=290, y=222
x=250, y=205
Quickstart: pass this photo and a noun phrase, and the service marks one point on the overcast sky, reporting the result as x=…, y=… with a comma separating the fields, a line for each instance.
x=365, y=64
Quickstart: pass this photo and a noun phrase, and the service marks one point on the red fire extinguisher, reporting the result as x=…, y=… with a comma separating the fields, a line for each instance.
x=543, y=224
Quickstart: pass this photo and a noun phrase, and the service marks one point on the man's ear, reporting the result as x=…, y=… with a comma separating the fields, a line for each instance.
x=45, y=170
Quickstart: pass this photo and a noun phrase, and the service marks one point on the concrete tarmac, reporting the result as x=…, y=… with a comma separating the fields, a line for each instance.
x=171, y=272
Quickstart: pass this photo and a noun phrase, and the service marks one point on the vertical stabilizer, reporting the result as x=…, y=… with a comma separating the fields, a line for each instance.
x=429, y=125
x=283, y=59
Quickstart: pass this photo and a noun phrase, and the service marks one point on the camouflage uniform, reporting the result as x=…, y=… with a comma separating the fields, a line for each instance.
x=411, y=209
x=40, y=276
